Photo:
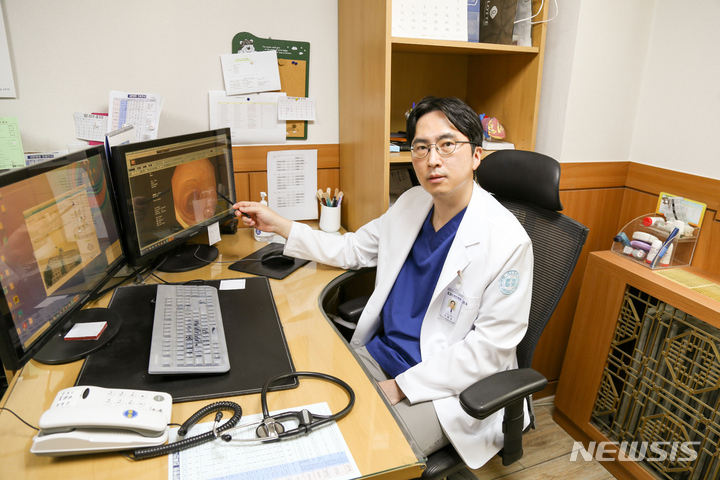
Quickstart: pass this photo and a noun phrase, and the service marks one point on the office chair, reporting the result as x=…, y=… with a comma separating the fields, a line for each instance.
x=527, y=184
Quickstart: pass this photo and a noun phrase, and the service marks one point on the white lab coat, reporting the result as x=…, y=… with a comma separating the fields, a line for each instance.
x=489, y=243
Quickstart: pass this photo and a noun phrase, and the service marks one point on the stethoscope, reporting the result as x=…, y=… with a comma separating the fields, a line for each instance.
x=269, y=429
x=272, y=429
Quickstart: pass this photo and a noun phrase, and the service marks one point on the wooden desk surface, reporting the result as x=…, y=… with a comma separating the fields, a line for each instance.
x=377, y=443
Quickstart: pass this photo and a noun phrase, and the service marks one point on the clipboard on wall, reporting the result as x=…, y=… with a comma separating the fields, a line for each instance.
x=294, y=67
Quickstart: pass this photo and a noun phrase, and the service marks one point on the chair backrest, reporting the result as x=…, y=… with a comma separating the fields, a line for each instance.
x=528, y=184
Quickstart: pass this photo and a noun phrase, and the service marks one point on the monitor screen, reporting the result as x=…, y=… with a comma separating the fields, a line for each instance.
x=59, y=244
x=169, y=190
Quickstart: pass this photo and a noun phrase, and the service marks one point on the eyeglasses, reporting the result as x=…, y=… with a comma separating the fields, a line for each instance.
x=445, y=147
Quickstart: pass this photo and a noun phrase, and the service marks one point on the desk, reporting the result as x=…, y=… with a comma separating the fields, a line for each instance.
x=371, y=432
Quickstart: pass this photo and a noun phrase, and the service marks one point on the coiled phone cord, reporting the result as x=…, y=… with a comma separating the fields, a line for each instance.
x=150, y=452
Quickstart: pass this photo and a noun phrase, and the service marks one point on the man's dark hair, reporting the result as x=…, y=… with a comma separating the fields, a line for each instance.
x=458, y=112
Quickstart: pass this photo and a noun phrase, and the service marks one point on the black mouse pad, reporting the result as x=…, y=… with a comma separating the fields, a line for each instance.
x=255, y=339
x=252, y=263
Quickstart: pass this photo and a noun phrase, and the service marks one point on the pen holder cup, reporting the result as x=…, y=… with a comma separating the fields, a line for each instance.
x=683, y=246
x=329, y=218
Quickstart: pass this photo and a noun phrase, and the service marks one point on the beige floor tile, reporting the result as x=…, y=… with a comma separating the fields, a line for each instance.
x=495, y=469
x=547, y=441
x=546, y=456
x=562, y=468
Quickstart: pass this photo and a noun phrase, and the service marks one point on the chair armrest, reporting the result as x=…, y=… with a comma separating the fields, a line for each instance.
x=351, y=310
x=490, y=394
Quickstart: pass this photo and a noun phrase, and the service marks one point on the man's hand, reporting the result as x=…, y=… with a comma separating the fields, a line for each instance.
x=259, y=216
x=392, y=391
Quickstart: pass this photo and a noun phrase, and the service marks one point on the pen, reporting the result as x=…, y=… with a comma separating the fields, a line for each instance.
x=231, y=203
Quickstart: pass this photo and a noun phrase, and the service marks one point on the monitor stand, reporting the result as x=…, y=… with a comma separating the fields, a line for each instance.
x=58, y=350
x=188, y=256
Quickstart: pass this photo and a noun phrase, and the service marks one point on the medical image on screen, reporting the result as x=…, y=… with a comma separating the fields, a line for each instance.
x=194, y=190
x=175, y=188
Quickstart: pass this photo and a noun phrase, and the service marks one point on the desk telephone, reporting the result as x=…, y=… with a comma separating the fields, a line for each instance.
x=94, y=419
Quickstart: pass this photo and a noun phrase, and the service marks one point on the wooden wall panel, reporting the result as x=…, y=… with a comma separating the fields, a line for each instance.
x=550, y=352
x=258, y=183
x=707, y=253
x=242, y=186
x=253, y=158
x=635, y=204
x=593, y=175
x=655, y=180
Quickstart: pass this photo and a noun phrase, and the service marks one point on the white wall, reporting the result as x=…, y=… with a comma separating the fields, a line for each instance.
x=68, y=55
x=678, y=113
x=606, y=71
x=633, y=80
x=557, y=76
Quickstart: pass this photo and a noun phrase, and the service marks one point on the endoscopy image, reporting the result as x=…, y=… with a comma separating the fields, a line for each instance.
x=169, y=196
x=194, y=191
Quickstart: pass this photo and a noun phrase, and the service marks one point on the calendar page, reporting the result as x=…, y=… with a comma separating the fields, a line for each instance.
x=141, y=110
x=90, y=126
x=431, y=19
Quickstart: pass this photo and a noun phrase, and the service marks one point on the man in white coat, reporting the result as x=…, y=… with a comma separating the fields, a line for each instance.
x=453, y=283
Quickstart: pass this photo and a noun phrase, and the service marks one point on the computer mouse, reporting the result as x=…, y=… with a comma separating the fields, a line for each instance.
x=276, y=259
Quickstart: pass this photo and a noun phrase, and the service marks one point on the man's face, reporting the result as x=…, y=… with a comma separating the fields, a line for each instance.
x=444, y=176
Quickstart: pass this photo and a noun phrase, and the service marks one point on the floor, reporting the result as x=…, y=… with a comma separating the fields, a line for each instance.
x=546, y=455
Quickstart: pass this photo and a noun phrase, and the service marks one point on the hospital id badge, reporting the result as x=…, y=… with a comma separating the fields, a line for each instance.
x=451, y=305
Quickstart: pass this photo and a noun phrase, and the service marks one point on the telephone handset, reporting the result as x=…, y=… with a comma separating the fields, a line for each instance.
x=95, y=419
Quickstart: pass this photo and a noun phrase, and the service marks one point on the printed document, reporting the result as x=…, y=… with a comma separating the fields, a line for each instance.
x=11, y=150
x=250, y=72
x=436, y=19
x=90, y=126
x=33, y=158
x=321, y=454
x=253, y=119
x=296, y=108
x=7, y=84
x=141, y=110
x=292, y=183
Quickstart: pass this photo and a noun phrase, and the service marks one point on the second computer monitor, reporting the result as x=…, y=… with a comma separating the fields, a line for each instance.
x=168, y=191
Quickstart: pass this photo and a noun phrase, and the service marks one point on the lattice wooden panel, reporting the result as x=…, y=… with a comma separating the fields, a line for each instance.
x=662, y=384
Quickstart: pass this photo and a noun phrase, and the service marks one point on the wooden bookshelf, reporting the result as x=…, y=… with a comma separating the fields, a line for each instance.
x=379, y=80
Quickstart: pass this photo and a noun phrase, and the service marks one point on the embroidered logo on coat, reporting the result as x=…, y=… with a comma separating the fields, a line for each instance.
x=509, y=282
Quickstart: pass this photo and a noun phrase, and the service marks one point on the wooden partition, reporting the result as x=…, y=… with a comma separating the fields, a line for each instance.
x=605, y=196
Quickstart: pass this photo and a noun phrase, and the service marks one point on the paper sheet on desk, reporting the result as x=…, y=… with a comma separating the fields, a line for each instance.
x=253, y=119
x=322, y=453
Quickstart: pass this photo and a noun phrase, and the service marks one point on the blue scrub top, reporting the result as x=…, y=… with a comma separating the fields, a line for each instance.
x=397, y=346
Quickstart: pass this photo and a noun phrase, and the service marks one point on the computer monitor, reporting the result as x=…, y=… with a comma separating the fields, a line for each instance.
x=59, y=244
x=169, y=190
